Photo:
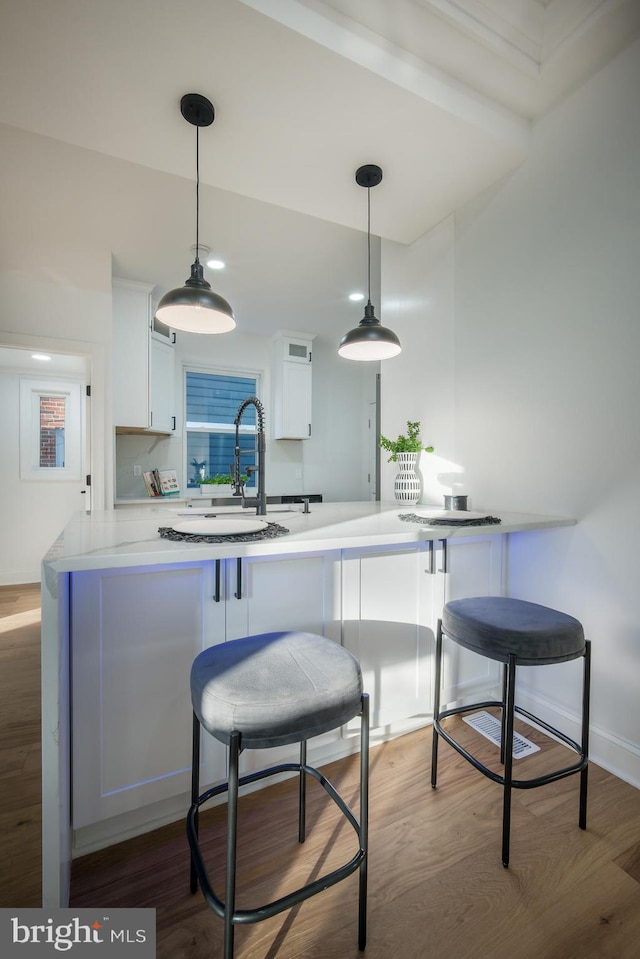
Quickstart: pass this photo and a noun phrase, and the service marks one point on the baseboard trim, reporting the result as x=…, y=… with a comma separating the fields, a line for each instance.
x=20, y=577
x=614, y=753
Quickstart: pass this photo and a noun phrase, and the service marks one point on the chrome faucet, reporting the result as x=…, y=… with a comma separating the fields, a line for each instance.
x=260, y=499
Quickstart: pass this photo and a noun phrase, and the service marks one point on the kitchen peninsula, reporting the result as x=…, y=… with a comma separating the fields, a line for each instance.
x=125, y=611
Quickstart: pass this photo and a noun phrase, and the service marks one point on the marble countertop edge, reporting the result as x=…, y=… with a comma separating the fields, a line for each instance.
x=116, y=539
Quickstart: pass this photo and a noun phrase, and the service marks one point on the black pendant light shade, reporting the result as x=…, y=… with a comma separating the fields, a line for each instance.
x=369, y=340
x=194, y=307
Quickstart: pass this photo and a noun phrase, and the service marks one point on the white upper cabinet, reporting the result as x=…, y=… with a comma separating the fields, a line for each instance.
x=143, y=363
x=292, y=386
x=161, y=389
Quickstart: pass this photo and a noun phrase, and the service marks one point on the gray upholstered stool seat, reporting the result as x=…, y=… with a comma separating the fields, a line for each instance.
x=497, y=627
x=515, y=633
x=275, y=689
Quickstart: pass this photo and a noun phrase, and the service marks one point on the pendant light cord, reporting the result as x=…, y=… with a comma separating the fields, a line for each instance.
x=369, y=243
x=197, y=191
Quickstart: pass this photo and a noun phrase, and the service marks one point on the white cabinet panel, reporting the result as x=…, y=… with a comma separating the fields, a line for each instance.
x=392, y=600
x=143, y=363
x=135, y=633
x=161, y=386
x=388, y=603
x=292, y=388
x=293, y=407
x=475, y=567
x=131, y=318
x=285, y=592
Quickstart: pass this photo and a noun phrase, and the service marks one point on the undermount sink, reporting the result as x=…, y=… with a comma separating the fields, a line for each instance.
x=237, y=510
x=251, y=510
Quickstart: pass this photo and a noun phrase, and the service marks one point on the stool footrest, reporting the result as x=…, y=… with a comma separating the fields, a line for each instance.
x=246, y=916
x=496, y=777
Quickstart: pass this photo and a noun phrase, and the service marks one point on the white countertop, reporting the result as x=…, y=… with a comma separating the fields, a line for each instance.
x=118, y=538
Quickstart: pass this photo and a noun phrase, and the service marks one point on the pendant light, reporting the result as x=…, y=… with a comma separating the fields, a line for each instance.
x=194, y=307
x=369, y=340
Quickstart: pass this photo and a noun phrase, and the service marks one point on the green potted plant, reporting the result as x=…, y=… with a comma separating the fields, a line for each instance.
x=405, y=451
x=218, y=484
x=411, y=443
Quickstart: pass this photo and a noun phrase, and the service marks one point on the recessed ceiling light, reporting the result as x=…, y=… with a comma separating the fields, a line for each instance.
x=40, y=356
x=215, y=264
x=356, y=297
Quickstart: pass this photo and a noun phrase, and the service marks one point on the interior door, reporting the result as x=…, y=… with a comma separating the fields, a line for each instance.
x=44, y=437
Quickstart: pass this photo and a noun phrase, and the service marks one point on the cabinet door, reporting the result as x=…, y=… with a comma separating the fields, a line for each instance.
x=280, y=593
x=387, y=611
x=134, y=635
x=161, y=386
x=472, y=567
x=131, y=318
x=293, y=402
x=284, y=592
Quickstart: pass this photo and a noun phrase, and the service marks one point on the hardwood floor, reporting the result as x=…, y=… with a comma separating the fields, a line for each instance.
x=436, y=884
x=20, y=769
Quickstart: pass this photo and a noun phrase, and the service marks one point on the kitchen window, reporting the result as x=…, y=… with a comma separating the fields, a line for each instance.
x=211, y=404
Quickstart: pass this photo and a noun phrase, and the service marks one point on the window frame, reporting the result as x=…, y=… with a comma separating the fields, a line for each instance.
x=32, y=391
x=225, y=429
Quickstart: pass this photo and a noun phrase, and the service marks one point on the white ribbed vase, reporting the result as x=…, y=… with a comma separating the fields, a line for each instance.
x=407, y=482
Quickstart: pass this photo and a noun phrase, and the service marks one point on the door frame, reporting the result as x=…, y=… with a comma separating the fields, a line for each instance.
x=99, y=441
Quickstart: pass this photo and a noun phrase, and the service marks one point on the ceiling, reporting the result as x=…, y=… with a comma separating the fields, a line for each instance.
x=440, y=93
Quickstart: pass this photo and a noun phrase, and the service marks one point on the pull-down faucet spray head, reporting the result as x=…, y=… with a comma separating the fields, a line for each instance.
x=260, y=450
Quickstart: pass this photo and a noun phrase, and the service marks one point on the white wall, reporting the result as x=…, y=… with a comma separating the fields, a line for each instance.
x=58, y=300
x=548, y=337
x=418, y=305
x=546, y=288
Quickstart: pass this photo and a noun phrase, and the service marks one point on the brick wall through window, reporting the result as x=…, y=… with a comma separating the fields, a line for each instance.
x=52, y=422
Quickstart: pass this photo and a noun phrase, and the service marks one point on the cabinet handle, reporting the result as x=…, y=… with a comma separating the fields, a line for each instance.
x=174, y=423
x=216, y=595
x=173, y=336
x=445, y=556
x=432, y=559
x=309, y=429
x=151, y=418
x=238, y=592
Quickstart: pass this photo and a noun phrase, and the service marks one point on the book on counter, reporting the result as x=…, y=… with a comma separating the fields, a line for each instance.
x=161, y=482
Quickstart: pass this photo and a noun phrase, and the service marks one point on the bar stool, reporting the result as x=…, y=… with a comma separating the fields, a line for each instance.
x=515, y=633
x=269, y=690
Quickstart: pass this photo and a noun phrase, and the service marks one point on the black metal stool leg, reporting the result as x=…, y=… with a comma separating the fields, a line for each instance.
x=503, y=731
x=195, y=790
x=509, y=708
x=436, y=705
x=364, y=822
x=302, y=794
x=232, y=833
x=586, y=698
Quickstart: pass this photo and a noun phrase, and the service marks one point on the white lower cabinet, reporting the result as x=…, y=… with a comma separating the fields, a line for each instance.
x=392, y=600
x=135, y=633
x=280, y=593
x=388, y=601
x=474, y=567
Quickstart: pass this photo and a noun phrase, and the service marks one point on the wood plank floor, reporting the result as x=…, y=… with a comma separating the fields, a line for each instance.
x=20, y=768
x=436, y=884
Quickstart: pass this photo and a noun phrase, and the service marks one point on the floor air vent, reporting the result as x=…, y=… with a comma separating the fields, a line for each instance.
x=489, y=727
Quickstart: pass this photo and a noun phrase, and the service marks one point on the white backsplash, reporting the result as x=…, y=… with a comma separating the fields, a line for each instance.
x=147, y=452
